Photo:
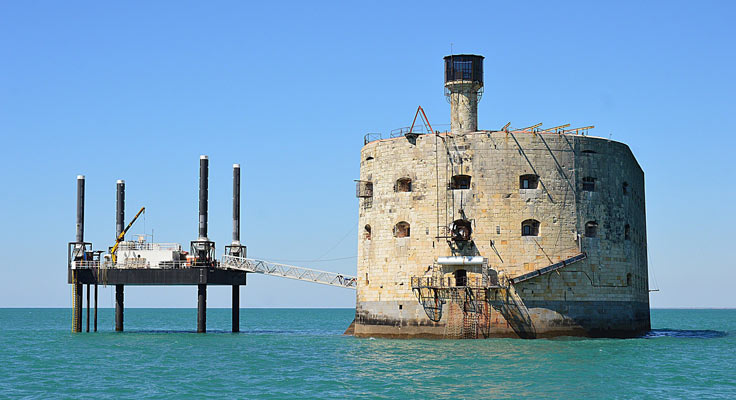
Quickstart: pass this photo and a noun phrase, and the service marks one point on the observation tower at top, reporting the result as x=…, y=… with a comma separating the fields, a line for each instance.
x=463, y=89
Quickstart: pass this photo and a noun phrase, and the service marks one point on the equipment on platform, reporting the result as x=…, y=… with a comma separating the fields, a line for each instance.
x=121, y=237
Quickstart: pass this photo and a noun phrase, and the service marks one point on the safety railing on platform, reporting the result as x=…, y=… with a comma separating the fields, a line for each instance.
x=399, y=132
x=450, y=282
x=85, y=264
x=134, y=263
x=288, y=271
x=130, y=264
x=132, y=245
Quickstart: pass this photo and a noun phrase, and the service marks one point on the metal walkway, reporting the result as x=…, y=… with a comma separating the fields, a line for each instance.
x=548, y=269
x=288, y=271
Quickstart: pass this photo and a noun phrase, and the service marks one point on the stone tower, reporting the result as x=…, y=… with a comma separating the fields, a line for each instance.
x=513, y=232
x=463, y=89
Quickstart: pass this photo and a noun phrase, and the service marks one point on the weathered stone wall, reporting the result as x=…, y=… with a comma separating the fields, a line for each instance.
x=463, y=96
x=607, y=292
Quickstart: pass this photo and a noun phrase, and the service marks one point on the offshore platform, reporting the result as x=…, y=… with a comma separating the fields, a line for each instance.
x=137, y=262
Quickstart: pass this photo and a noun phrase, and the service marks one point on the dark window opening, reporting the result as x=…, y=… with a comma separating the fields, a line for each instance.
x=460, y=182
x=369, y=158
x=625, y=188
x=402, y=229
x=628, y=279
x=529, y=181
x=627, y=232
x=363, y=189
x=589, y=184
x=403, y=185
x=401, y=306
x=367, y=232
x=591, y=229
x=461, y=230
x=461, y=277
x=589, y=152
x=530, y=227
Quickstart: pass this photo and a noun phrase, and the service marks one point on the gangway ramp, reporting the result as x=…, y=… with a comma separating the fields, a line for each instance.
x=288, y=271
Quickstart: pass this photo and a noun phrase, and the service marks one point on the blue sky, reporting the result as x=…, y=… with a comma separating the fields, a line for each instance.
x=137, y=91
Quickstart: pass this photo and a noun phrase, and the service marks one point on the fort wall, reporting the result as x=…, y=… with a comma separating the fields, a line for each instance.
x=584, y=185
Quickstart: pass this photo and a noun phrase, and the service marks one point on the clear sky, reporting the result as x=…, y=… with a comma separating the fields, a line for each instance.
x=138, y=90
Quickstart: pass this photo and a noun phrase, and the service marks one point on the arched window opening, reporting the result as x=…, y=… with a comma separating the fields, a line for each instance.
x=627, y=232
x=461, y=230
x=589, y=184
x=403, y=185
x=529, y=181
x=530, y=227
x=628, y=279
x=461, y=277
x=367, y=232
x=369, y=158
x=589, y=152
x=402, y=229
x=591, y=229
x=625, y=188
x=363, y=189
x=460, y=182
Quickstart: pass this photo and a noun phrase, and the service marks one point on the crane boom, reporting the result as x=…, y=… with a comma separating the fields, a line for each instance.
x=122, y=234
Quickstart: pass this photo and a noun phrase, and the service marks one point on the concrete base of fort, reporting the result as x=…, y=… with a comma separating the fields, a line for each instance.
x=533, y=319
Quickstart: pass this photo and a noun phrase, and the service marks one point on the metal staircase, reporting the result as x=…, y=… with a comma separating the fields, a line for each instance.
x=288, y=271
x=548, y=269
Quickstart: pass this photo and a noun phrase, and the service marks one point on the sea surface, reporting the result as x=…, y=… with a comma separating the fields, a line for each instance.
x=301, y=353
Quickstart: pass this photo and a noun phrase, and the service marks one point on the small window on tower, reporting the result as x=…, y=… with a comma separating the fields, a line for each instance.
x=529, y=181
x=627, y=232
x=589, y=184
x=530, y=227
x=402, y=229
x=591, y=229
x=460, y=182
x=403, y=185
x=367, y=232
x=625, y=188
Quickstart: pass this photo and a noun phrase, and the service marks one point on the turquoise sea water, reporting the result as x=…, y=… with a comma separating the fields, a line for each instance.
x=300, y=353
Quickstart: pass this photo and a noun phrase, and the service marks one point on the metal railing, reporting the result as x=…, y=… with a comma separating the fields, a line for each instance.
x=130, y=264
x=548, y=269
x=133, y=245
x=85, y=264
x=371, y=137
x=399, y=132
x=288, y=271
x=437, y=282
x=135, y=264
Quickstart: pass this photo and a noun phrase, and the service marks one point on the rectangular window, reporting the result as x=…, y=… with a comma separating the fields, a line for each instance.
x=589, y=184
x=525, y=184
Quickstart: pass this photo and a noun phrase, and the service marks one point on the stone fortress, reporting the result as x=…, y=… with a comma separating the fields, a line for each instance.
x=509, y=233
